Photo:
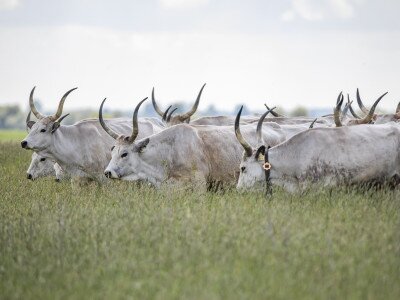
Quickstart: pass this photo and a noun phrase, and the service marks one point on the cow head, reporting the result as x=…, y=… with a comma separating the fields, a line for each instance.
x=251, y=166
x=171, y=120
x=40, y=133
x=40, y=167
x=126, y=153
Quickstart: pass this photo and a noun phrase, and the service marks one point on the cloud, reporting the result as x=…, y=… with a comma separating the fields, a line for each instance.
x=9, y=4
x=317, y=10
x=182, y=4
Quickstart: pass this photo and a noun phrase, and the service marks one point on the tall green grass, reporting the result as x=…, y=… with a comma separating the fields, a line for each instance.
x=119, y=240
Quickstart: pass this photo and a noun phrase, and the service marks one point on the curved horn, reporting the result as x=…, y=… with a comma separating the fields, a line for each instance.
x=351, y=108
x=32, y=105
x=242, y=141
x=312, y=124
x=170, y=114
x=61, y=105
x=165, y=114
x=62, y=118
x=336, y=111
x=194, y=108
x=272, y=112
x=345, y=110
x=156, y=108
x=360, y=104
x=398, y=108
x=260, y=124
x=103, y=124
x=368, y=118
x=28, y=117
x=135, y=127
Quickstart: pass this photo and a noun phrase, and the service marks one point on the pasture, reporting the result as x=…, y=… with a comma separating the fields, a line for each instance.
x=63, y=240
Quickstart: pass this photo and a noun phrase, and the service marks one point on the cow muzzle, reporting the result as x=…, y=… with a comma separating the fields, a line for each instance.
x=29, y=176
x=111, y=174
x=24, y=144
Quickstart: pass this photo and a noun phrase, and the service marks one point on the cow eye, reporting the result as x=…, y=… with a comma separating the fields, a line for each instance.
x=124, y=155
x=43, y=130
x=243, y=169
x=112, y=148
x=43, y=159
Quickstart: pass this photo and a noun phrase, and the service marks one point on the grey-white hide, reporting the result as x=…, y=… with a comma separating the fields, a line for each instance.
x=329, y=157
x=185, y=153
x=40, y=167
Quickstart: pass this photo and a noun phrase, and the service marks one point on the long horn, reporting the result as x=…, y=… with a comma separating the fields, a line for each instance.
x=242, y=141
x=135, y=127
x=260, y=124
x=345, y=111
x=28, y=117
x=170, y=114
x=312, y=124
x=156, y=108
x=194, y=108
x=103, y=124
x=32, y=105
x=62, y=118
x=165, y=114
x=61, y=105
x=351, y=108
x=336, y=111
x=368, y=118
x=275, y=114
x=360, y=104
x=398, y=108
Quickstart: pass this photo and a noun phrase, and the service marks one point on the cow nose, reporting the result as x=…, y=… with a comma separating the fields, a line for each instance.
x=108, y=174
x=24, y=144
x=29, y=176
x=57, y=180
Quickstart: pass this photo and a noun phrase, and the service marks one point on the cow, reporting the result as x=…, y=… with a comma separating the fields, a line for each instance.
x=81, y=149
x=169, y=119
x=327, y=157
x=178, y=119
x=43, y=167
x=378, y=118
x=205, y=155
x=341, y=120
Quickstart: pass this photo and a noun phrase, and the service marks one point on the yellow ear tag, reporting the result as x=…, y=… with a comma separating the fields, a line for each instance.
x=261, y=157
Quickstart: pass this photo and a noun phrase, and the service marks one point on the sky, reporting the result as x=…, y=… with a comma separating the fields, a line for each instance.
x=284, y=52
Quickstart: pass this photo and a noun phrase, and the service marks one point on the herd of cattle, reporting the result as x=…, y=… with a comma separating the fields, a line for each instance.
x=293, y=152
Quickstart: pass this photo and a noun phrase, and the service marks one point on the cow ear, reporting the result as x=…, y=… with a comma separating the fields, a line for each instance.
x=29, y=124
x=55, y=126
x=260, y=153
x=141, y=145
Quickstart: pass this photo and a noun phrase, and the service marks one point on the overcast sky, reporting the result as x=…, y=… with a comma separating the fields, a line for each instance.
x=286, y=52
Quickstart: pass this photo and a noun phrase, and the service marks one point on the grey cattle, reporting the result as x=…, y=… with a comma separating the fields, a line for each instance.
x=341, y=119
x=183, y=153
x=377, y=118
x=82, y=149
x=328, y=157
x=43, y=167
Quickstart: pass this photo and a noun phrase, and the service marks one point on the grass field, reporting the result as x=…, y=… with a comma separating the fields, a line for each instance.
x=59, y=240
x=12, y=135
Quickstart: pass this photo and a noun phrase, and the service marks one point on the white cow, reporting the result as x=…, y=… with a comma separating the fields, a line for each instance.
x=43, y=167
x=328, y=157
x=82, y=149
x=183, y=153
